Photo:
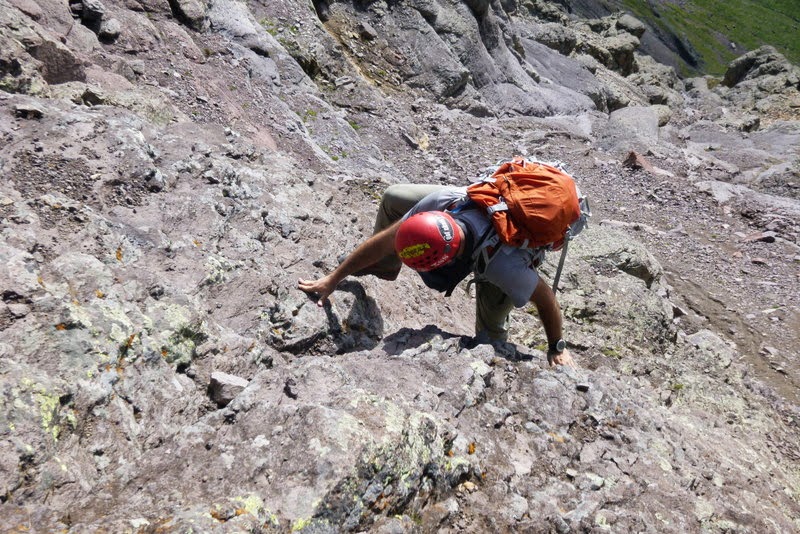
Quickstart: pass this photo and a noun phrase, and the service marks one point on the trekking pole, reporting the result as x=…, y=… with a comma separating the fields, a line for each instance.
x=561, y=263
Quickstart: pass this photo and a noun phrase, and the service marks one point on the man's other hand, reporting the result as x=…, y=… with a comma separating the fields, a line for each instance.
x=562, y=358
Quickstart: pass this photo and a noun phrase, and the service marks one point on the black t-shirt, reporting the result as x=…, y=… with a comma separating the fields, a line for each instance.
x=446, y=278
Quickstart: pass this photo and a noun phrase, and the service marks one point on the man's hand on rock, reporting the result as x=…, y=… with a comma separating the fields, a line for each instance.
x=322, y=287
x=561, y=358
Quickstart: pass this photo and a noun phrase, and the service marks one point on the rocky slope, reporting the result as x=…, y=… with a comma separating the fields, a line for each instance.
x=170, y=170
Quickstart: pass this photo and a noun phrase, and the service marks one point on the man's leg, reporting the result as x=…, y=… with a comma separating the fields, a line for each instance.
x=492, y=307
x=395, y=202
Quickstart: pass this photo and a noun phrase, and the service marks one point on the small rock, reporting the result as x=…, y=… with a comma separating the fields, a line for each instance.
x=664, y=114
x=343, y=80
x=636, y=161
x=109, y=30
x=595, y=481
x=367, y=32
x=289, y=388
x=571, y=473
x=223, y=388
x=19, y=310
x=517, y=507
x=769, y=351
x=779, y=369
x=766, y=237
x=583, y=386
x=28, y=111
x=155, y=181
x=759, y=261
x=749, y=123
x=591, y=481
x=533, y=428
x=156, y=292
x=93, y=10
x=193, y=12
x=411, y=141
x=631, y=25
x=677, y=311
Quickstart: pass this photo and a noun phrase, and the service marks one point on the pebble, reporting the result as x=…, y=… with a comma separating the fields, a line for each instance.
x=19, y=310
x=571, y=473
x=766, y=237
x=110, y=29
x=769, y=351
x=533, y=428
x=28, y=111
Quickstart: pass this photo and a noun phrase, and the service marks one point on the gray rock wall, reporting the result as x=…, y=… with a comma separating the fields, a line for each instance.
x=168, y=179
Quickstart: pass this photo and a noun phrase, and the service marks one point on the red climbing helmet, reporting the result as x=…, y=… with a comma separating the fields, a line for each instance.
x=427, y=240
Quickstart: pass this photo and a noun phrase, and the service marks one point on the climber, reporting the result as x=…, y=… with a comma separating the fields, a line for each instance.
x=432, y=230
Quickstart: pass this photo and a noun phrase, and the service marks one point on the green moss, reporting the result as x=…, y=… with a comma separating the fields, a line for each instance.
x=217, y=270
x=182, y=344
x=50, y=413
x=270, y=25
x=611, y=352
x=309, y=114
x=300, y=524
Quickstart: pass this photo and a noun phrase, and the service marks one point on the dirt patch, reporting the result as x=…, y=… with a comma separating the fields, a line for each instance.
x=37, y=174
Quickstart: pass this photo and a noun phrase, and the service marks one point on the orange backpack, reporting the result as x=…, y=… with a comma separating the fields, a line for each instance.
x=531, y=204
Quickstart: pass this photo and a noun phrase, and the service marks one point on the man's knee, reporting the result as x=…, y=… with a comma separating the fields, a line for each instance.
x=486, y=335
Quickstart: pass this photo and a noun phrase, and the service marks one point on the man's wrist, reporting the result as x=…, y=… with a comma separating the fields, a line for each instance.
x=556, y=347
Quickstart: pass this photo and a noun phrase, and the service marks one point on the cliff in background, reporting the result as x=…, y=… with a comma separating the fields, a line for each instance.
x=702, y=37
x=170, y=171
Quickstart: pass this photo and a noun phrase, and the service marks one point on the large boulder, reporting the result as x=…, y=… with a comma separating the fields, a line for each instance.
x=631, y=128
x=609, y=43
x=32, y=57
x=766, y=63
x=194, y=13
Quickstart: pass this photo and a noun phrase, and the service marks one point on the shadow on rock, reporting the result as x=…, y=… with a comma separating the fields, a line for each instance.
x=363, y=327
x=410, y=338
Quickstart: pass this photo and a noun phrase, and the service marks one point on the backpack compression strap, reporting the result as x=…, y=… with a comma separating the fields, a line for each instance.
x=567, y=239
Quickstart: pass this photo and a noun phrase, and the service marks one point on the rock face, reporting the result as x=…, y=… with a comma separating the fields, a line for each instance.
x=171, y=170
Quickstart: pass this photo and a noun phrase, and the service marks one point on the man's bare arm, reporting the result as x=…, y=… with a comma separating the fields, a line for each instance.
x=550, y=315
x=367, y=253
